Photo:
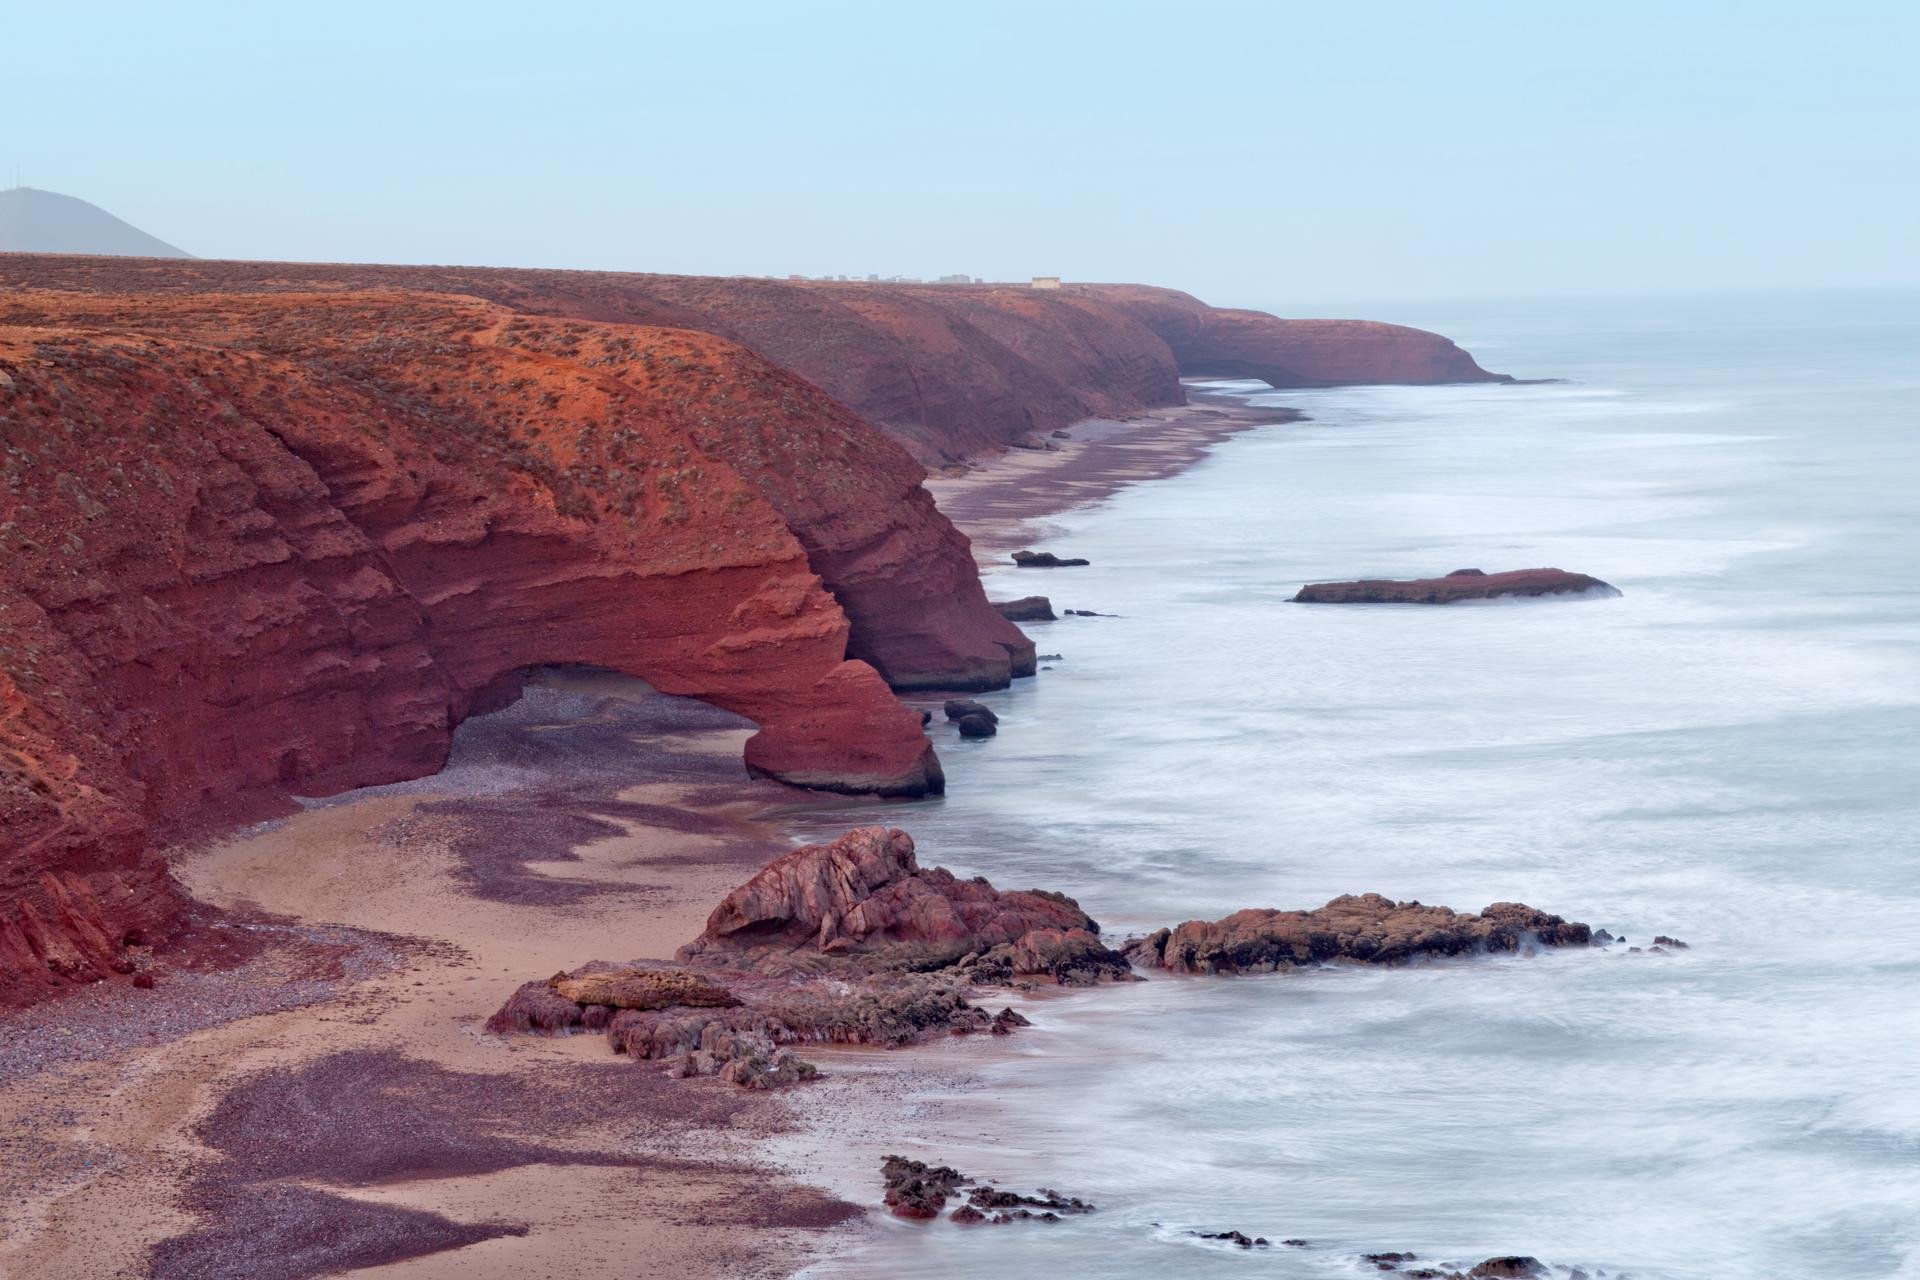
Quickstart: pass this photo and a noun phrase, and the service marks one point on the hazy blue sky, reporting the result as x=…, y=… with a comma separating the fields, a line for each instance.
x=1253, y=153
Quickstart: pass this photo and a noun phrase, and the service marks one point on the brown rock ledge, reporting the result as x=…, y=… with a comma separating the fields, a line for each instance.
x=1365, y=928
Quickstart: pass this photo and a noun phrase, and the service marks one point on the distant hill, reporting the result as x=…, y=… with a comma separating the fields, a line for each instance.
x=33, y=221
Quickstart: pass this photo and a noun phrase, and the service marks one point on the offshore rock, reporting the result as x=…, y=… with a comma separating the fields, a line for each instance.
x=1045, y=560
x=1026, y=609
x=961, y=708
x=1461, y=584
x=975, y=726
x=1365, y=929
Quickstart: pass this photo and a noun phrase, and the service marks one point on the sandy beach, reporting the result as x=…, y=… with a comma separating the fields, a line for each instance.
x=1002, y=502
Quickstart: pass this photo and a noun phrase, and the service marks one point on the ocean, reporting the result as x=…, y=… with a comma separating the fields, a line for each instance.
x=1727, y=754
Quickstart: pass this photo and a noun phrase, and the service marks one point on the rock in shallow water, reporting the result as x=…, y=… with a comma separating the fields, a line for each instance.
x=1367, y=928
x=1045, y=560
x=976, y=727
x=915, y=1189
x=961, y=708
x=1026, y=609
x=1461, y=584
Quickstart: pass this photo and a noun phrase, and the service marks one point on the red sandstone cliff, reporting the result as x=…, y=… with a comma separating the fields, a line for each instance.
x=1222, y=343
x=947, y=372
x=266, y=545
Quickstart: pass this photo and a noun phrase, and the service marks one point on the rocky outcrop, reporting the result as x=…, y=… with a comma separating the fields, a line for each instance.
x=850, y=942
x=738, y=1025
x=865, y=898
x=1365, y=928
x=1215, y=342
x=915, y=1189
x=1461, y=584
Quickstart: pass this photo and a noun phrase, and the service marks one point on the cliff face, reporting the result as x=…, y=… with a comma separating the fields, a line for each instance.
x=948, y=372
x=268, y=545
x=1222, y=343
x=274, y=529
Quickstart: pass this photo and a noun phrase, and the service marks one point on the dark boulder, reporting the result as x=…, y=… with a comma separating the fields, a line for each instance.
x=1026, y=609
x=1044, y=560
x=960, y=708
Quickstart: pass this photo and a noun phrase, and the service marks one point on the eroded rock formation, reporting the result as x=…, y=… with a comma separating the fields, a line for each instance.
x=1365, y=928
x=865, y=897
x=850, y=942
x=1461, y=584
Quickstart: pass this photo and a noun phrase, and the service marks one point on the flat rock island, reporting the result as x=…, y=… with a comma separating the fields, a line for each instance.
x=1461, y=584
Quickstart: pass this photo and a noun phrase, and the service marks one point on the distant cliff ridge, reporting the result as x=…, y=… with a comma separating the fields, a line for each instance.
x=34, y=221
x=950, y=371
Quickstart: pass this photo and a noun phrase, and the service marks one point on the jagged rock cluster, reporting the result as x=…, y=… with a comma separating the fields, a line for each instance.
x=853, y=942
x=850, y=942
x=915, y=1189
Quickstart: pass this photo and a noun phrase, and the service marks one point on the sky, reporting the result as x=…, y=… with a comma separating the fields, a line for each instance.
x=1253, y=153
